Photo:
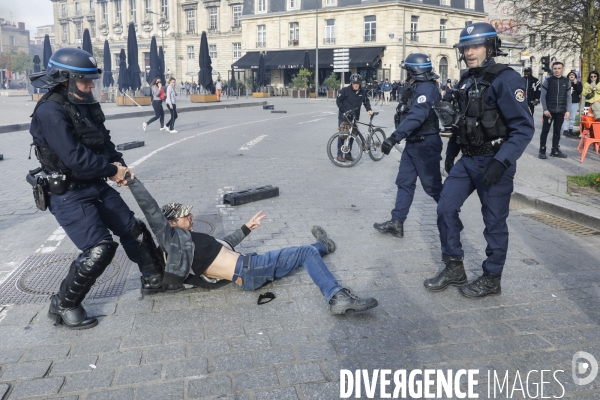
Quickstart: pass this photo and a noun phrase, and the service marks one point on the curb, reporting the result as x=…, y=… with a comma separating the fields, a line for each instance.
x=25, y=126
x=567, y=209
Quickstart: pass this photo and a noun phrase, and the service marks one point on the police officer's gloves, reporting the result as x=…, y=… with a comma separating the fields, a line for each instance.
x=493, y=172
x=387, y=145
x=448, y=163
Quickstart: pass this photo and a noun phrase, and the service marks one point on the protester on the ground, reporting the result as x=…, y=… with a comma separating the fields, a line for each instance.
x=532, y=89
x=591, y=93
x=171, y=101
x=576, y=90
x=386, y=87
x=556, y=103
x=158, y=94
x=205, y=256
x=218, y=88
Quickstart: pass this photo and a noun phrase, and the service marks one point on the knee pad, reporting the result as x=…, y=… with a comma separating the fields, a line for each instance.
x=94, y=261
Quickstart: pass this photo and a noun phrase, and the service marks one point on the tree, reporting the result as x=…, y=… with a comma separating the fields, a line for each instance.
x=332, y=82
x=98, y=55
x=300, y=81
x=16, y=61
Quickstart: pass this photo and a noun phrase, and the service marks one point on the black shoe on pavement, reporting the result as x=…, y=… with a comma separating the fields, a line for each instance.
x=453, y=275
x=344, y=301
x=151, y=284
x=483, y=286
x=72, y=318
x=542, y=154
x=341, y=159
x=395, y=228
x=349, y=157
x=557, y=153
x=321, y=236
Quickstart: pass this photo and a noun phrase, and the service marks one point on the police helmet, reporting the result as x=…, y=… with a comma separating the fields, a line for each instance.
x=419, y=67
x=69, y=65
x=355, y=78
x=480, y=33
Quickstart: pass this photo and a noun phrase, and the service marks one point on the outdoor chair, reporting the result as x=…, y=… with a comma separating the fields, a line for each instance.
x=584, y=128
x=592, y=138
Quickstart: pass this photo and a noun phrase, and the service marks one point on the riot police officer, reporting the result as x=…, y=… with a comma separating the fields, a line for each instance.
x=76, y=154
x=492, y=126
x=418, y=123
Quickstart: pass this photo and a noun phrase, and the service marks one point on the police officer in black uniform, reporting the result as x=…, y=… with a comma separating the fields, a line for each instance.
x=351, y=98
x=492, y=126
x=76, y=155
x=532, y=89
x=418, y=123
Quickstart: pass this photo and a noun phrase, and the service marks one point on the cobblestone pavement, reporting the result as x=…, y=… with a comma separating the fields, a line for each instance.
x=220, y=344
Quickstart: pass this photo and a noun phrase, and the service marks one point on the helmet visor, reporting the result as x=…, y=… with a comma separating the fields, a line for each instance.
x=81, y=88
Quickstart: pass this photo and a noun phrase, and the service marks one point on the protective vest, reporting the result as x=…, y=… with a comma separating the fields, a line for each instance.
x=479, y=123
x=557, y=90
x=86, y=132
x=405, y=95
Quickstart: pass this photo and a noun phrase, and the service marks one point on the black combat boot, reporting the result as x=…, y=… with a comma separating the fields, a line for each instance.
x=344, y=301
x=72, y=318
x=542, y=154
x=393, y=227
x=453, y=275
x=152, y=283
x=557, y=153
x=321, y=236
x=483, y=286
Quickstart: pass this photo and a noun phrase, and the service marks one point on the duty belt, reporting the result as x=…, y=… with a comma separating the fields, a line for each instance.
x=415, y=138
x=486, y=148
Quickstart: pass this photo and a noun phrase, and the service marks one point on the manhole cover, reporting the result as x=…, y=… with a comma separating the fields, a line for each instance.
x=563, y=224
x=39, y=276
x=203, y=226
x=211, y=224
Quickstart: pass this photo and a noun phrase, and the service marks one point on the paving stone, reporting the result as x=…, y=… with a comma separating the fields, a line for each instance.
x=137, y=374
x=162, y=391
x=3, y=389
x=42, y=353
x=119, y=394
x=141, y=341
x=87, y=381
x=289, y=338
x=27, y=370
x=36, y=387
x=316, y=352
x=300, y=373
x=318, y=391
x=232, y=362
x=135, y=306
x=95, y=347
x=255, y=342
x=288, y=393
x=174, y=303
x=219, y=385
x=274, y=357
x=183, y=336
x=75, y=364
x=186, y=368
x=203, y=349
x=120, y=359
x=8, y=356
x=256, y=379
x=165, y=353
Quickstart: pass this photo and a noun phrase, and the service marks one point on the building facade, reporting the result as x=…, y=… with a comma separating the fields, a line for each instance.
x=41, y=32
x=13, y=37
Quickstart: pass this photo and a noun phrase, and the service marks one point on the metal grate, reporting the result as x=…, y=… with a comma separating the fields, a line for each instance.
x=39, y=276
x=563, y=224
x=211, y=224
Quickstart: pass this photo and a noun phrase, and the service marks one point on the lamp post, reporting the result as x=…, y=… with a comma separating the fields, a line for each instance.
x=317, y=50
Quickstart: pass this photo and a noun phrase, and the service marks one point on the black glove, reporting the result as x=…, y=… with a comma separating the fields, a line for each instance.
x=387, y=145
x=448, y=164
x=493, y=172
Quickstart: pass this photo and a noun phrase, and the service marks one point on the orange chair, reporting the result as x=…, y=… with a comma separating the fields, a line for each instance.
x=584, y=128
x=593, y=138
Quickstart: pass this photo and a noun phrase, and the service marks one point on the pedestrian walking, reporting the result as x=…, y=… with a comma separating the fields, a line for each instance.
x=187, y=88
x=591, y=91
x=77, y=155
x=576, y=90
x=218, y=88
x=419, y=125
x=532, y=89
x=386, y=87
x=171, y=101
x=158, y=95
x=556, y=102
x=493, y=129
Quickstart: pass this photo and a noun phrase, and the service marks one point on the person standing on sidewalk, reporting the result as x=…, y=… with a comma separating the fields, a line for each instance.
x=591, y=91
x=576, y=90
x=386, y=87
x=219, y=88
x=532, y=89
x=171, y=100
x=556, y=102
x=158, y=93
x=492, y=126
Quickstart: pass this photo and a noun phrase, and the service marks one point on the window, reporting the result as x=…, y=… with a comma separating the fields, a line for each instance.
x=544, y=19
x=118, y=10
x=467, y=23
x=190, y=52
x=262, y=5
x=237, y=50
x=191, y=21
x=117, y=60
x=104, y=12
x=77, y=7
x=330, y=2
x=293, y=4
x=330, y=31
x=63, y=9
x=370, y=28
x=13, y=41
x=65, y=33
x=164, y=8
x=294, y=34
x=543, y=40
x=212, y=18
x=531, y=40
x=212, y=50
x=91, y=6
x=262, y=36
x=443, y=69
x=147, y=7
x=132, y=10
x=443, y=23
x=553, y=42
x=444, y=2
x=93, y=29
x=237, y=13
x=78, y=30
x=470, y=4
x=414, y=27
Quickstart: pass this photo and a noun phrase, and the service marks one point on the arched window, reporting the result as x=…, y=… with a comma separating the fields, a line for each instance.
x=443, y=69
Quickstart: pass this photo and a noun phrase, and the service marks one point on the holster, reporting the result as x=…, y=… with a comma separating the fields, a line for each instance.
x=41, y=192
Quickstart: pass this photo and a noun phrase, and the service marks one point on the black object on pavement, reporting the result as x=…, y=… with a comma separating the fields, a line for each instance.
x=265, y=298
x=269, y=107
x=250, y=195
x=1, y=156
x=278, y=112
x=130, y=145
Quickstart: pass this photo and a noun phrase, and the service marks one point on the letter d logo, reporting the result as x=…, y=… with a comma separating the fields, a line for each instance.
x=581, y=367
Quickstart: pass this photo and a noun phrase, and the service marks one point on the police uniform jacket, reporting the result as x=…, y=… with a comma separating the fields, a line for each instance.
x=425, y=94
x=350, y=99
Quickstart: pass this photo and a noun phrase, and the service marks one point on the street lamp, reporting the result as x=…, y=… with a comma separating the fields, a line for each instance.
x=317, y=50
x=162, y=25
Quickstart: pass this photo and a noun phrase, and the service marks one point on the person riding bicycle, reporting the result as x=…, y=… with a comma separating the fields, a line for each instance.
x=351, y=98
x=418, y=123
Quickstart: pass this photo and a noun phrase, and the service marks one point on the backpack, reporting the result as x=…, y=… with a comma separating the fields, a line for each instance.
x=162, y=94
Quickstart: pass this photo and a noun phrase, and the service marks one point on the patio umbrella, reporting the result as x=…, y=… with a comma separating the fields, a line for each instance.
x=36, y=63
x=154, y=68
x=232, y=82
x=123, y=75
x=205, y=74
x=86, y=43
x=47, y=51
x=306, y=61
x=262, y=72
x=133, y=70
x=107, y=79
x=161, y=65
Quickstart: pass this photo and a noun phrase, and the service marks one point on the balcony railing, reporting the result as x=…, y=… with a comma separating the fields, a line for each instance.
x=261, y=44
x=329, y=40
x=369, y=38
x=293, y=42
x=443, y=40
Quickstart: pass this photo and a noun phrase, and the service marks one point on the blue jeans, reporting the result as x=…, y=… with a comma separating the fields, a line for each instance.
x=569, y=123
x=276, y=264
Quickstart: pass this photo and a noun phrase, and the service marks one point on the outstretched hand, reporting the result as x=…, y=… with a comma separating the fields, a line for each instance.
x=255, y=221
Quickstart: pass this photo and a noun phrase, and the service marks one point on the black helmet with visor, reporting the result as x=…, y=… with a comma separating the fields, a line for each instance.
x=479, y=33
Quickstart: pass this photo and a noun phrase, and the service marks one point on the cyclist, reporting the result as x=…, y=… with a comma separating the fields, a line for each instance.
x=351, y=98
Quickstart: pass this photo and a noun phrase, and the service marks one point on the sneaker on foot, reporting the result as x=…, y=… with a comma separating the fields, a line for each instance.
x=321, y=236
x=344, y=301
x=542, y=156
x=144, y=126
x=164, y=128
x=173, y=131
x=558, y=154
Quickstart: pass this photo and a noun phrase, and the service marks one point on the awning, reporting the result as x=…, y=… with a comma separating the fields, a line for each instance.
x=294, y=59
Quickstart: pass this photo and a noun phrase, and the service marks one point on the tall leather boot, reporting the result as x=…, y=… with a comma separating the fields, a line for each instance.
x=453, y=275
x=485, y=285
x=393, y=227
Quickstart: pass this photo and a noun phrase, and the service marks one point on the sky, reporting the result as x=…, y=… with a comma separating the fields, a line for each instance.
x=33, y=12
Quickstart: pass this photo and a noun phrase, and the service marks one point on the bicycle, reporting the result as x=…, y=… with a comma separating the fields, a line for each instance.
x=352, y=152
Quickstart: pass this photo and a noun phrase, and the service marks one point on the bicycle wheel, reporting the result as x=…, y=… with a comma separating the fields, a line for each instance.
x=374, y=140
x=351, y=149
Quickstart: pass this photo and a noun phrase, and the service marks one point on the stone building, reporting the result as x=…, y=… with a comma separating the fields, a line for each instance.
x=13, y=37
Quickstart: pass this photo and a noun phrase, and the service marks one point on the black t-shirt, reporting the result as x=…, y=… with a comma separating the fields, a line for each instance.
x=206, y=249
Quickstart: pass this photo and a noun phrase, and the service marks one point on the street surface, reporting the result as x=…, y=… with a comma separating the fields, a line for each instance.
x=220, y=344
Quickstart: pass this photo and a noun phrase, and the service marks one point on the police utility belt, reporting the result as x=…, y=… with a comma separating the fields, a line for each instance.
x=44, y=185
x=486, y=148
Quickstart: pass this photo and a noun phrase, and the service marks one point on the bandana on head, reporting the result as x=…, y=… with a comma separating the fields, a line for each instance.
x=172, y=211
